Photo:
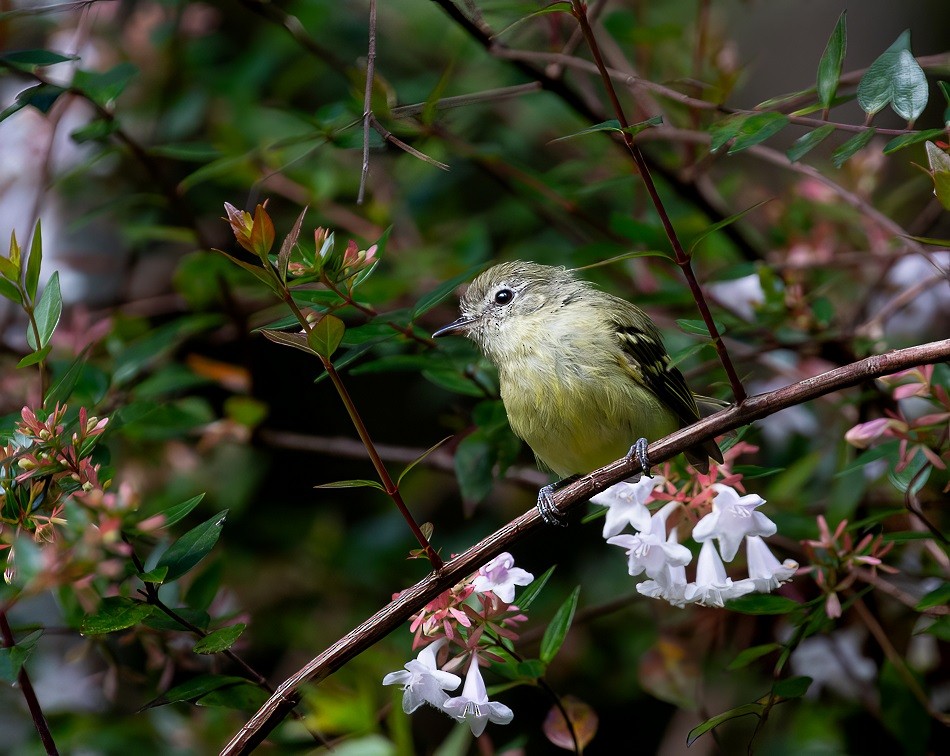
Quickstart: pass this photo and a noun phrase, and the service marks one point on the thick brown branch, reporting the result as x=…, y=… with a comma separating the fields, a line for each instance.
x=567, y=498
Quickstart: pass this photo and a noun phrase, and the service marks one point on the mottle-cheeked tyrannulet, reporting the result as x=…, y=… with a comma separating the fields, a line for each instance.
x=583, y=374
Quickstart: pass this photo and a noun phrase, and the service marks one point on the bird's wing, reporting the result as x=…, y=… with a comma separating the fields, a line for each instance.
x=648, y=361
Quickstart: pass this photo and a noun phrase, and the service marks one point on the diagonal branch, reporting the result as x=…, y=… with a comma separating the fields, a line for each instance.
x=568, y=498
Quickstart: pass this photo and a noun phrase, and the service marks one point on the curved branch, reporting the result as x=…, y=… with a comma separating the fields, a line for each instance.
x=411, y=600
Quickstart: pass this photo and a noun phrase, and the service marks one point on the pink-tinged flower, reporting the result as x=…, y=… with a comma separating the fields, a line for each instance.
x=918, y=384
x=732, y=518
x=626, y=504
x=473, y=705
x=441, y=615
x=863, y=434
x=422, y=681
x=765, y=571
x=242, y=225
x=649, y=551
x=713, y=587
x=500, y=576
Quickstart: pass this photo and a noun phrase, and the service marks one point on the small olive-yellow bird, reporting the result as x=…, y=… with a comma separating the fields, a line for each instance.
x=584, y=375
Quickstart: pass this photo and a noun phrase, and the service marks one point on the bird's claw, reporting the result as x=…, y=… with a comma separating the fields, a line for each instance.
x=546, y=506
x=639, y=452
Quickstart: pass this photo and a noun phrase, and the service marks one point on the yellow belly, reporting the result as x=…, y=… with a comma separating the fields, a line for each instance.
x=583, y=418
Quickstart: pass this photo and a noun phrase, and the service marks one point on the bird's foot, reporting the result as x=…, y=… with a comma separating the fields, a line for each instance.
x=639, y=452
x=546, y=506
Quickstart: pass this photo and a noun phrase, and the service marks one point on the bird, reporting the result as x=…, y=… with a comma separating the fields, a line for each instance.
x=584, y=376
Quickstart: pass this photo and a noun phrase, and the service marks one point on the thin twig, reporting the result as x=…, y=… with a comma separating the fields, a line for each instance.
x=571, y=496
x=396, y=141
x=29, y=695
x=368, y=100
x=682, y=259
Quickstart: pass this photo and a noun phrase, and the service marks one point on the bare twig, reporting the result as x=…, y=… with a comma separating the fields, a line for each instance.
x=368, y=100
x=396, y=141
x=566, y=499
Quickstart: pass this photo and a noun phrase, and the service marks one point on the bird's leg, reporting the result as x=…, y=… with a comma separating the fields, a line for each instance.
x=639, y=452
x=546, y=508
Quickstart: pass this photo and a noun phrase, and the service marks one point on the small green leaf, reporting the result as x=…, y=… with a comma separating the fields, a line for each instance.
x=9, y=291
x=793, y=687
x=29, y=60
x=42, y=97
x=192, y=547
x=435, y=296
x=421, y=457
x=829, y=68
x=556, y=632
x=724, y=222
x=698, y=327
x=219, y=640
x=263, y=274
x=757, y=128
x=612, y=125
x=763, y=603
x=353, y=484
x=725, y=130
x=713, y=722
x=13, y=658
x=895, y=79
x=244, y=696
x=154, y=576
x=262, y=234
x=102, y=87
x=115, y=613
x=806, y=143
x=178, y=512
x=749, y=655
x=47, y=313
x=9, y=270
x=195, y=688
x=905, y=140
x=844, y=153
x=531, y=591
x=937, y=597
x=295, y=340
x=33, y=357
x=325, y=336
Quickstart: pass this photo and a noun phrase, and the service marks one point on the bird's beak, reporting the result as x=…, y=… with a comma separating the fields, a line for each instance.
x=456, y=328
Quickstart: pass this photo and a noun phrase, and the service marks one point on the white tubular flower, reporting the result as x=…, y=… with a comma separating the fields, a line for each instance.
x=766, y=573
x=732, y=518
x=500, y=576
x=713, y=587
x=422, y=681
x=626, y=504
x=473, y=705
x=670, y=584
x=650, y=551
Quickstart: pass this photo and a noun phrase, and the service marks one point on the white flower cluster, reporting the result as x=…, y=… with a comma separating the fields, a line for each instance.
x=660, y=555
x=423, y=682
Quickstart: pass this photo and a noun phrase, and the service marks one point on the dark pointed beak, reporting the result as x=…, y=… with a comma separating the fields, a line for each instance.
x=456, y=328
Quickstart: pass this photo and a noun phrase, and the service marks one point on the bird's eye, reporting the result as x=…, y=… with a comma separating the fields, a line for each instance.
x=504, y=296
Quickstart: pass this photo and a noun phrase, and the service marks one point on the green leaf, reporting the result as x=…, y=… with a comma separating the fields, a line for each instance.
x=913, y=477
x=115, y=613
x=94, y=131
x=421, y=457
x=14, y=657
x=157, y=575
x=42, y=97
x=325, y=336
x=895, y=79
x=262, y=274
x=38, y=356
x=353, y=484
x=47, y=313
x=60, y=391
x=698, y=327
x=295, y=340
x=219, y=640
x=262, y=234
x=192, y=547
x=725, y=130
x=724, y=222
x=806, y=143
x=195, y=688
x=939, y=628
x=612, y=125
x=10, y=291
x=473, y=463
x=531, y=591
x=793, y=687
x=556, y=632
x=29, y=60
x=905, y=140
x=757, y=128
x=245, y=697
x=102, y=87
x=937, y=597
x=435, y=296
x=763, y=603
x=829, y=67
x=939, y=162
x=841, y=155
x=178, y=512
x=749, y=655
x=713, y=722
